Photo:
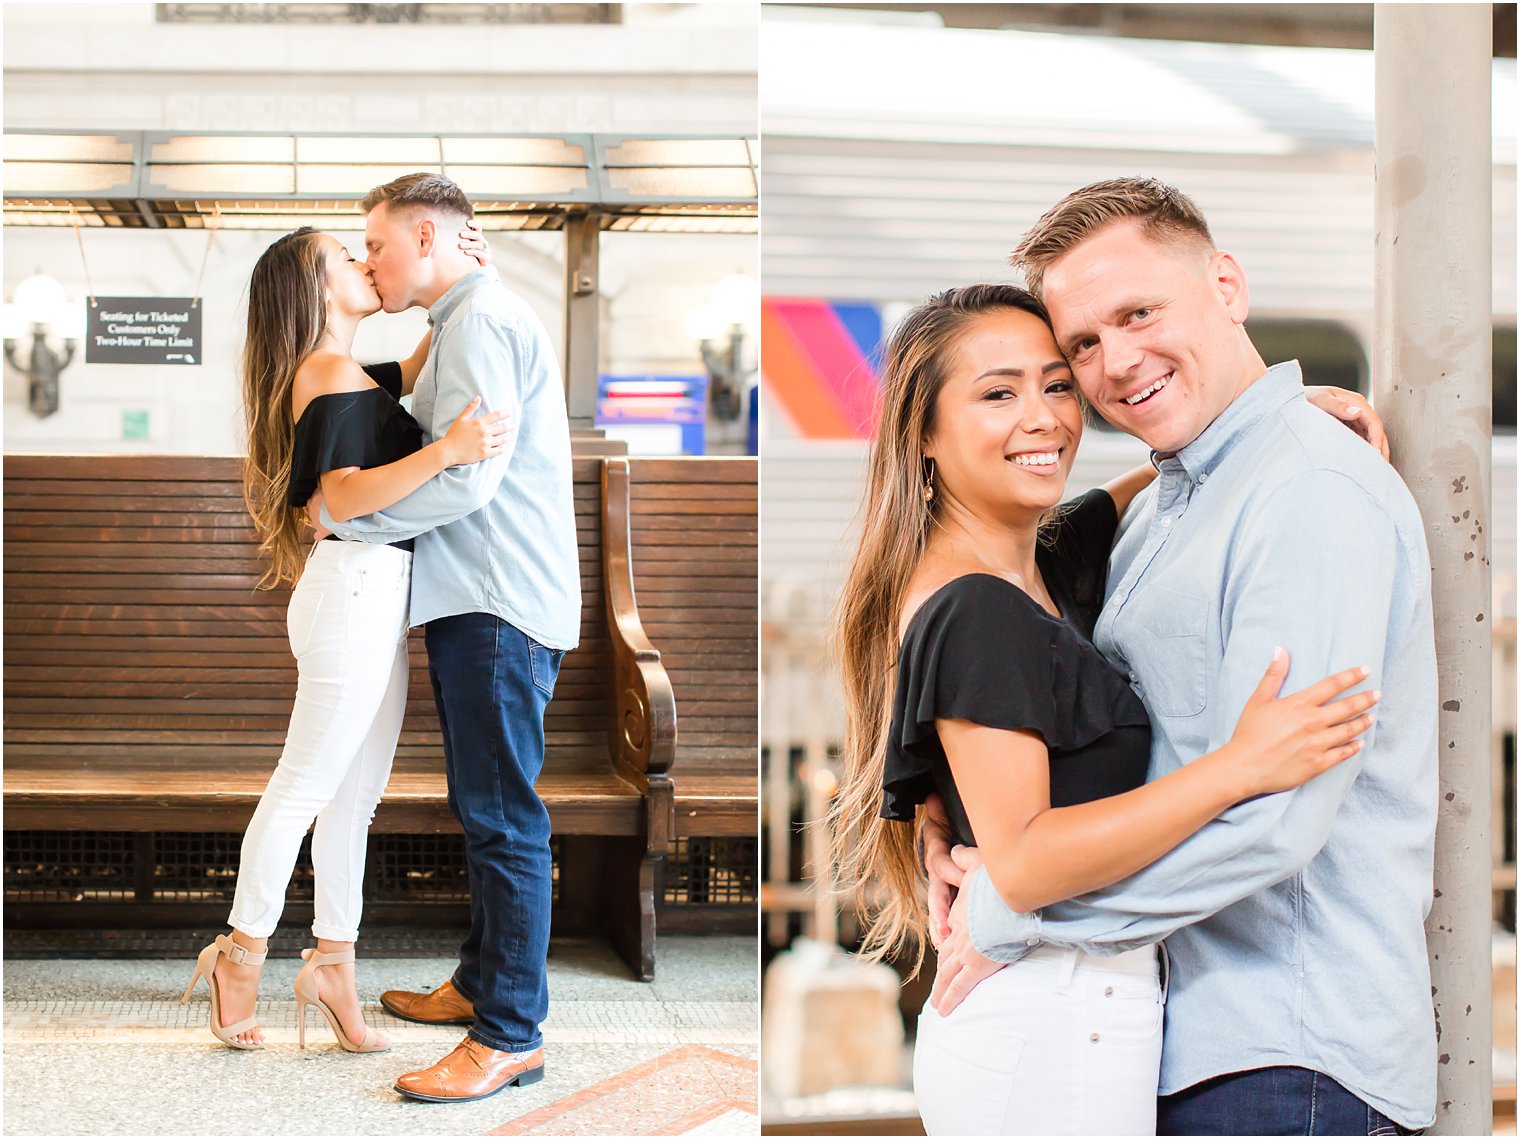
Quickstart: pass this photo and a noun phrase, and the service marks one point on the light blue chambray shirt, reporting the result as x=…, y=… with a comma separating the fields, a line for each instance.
x=496, y=536
x=1295, y=921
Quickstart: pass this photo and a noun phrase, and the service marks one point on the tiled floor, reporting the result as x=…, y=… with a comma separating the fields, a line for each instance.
x=105, y=1048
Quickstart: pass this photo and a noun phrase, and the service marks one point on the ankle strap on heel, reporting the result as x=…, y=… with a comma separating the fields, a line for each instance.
x=237, y=953
x=316, y=957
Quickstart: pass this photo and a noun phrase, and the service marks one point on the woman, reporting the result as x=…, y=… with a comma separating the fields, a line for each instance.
x=983, y=596
x=315, y=418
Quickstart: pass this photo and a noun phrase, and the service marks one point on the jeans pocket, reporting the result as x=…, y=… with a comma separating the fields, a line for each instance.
x=301, y=619
x=544, y=663
x=1380, y=1124
x=965, y=1077
x=373, y=581
x=1132, y=1017
x=1175, y=625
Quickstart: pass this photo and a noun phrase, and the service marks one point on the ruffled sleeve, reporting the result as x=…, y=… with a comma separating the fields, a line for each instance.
x=387, y=375
x=982, y=650
x=336, y=430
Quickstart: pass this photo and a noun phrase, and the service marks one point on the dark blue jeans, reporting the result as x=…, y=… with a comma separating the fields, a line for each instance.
x=492, y=683
x=1271, y=1101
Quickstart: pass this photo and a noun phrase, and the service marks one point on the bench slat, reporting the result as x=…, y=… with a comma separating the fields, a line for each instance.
x=139, y=654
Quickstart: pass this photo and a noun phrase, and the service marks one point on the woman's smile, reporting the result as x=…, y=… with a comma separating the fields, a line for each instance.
x=1038, y=462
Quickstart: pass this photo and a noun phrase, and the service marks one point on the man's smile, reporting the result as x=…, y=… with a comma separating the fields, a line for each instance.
x=1149, y=390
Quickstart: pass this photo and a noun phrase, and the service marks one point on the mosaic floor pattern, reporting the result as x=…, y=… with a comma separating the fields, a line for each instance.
x=673, y=1057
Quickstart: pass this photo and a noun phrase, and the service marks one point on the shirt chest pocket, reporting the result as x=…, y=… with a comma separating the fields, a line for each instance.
x=1170, y=646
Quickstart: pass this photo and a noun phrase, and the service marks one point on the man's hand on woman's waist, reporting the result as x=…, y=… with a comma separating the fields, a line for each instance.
x=944, y=875
x=314, y=516
x=961, y=968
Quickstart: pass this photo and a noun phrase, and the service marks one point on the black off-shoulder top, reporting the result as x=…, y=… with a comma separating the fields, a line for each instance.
x=983, y=650
x=364, y=429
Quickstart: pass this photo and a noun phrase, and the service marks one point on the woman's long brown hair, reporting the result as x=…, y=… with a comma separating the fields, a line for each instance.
x=877, y=859
x=287, y=318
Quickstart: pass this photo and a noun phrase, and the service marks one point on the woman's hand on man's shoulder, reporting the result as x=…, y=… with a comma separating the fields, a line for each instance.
x=1354, y=410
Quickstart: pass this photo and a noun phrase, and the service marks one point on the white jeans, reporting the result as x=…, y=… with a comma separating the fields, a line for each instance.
x=347, y=623
x=1059, y=1043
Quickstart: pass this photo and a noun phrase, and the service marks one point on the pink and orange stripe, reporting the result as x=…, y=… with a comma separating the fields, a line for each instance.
x=816, y=362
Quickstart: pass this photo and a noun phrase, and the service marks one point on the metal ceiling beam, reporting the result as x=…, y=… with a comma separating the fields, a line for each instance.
x=1286, y=25
x=652, y=183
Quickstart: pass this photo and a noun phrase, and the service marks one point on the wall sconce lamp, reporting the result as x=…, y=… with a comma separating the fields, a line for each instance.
x=41, y=313
x=726, y=326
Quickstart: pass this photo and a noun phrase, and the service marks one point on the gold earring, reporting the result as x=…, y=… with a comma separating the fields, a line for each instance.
x=929, y=485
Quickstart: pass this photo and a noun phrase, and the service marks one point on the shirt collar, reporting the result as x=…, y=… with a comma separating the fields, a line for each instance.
x=1277, y=385
x=439, y=310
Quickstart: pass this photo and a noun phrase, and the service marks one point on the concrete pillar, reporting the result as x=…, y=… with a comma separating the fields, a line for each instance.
x=1432, y=384
x=583, y=234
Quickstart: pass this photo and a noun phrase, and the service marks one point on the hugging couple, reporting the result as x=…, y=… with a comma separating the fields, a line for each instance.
x=457, y=516
x=1070, y=716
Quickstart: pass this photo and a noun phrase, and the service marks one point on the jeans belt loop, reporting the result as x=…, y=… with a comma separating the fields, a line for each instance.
x=1068, y=967
x=1166, y=970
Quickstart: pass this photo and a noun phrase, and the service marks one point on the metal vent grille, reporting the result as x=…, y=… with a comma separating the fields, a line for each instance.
x=169, y=867
x=191, y=867
x=69, y=866
x=173, y=866
x=418, y=868
x=427, y=868
x=711, y=871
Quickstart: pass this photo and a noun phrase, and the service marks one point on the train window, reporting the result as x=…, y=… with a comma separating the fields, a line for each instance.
x=1504, y=380
x=1329, y=352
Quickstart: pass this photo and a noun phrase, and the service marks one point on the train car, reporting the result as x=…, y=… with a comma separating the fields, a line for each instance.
x=872, y=203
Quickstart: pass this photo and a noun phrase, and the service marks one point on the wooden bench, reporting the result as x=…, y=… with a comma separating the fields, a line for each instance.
x=148, y=685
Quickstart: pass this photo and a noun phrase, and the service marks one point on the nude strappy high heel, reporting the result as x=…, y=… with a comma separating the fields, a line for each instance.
x=205, y=966
x=306, y=994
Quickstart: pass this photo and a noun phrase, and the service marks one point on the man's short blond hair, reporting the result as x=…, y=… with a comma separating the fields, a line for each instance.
x=1164, y=212
x=431, y=191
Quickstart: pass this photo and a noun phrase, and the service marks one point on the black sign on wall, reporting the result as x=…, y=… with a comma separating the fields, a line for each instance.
x=143, y=330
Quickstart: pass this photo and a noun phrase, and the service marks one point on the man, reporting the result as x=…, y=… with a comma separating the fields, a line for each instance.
x=496, y=582
x=1299, y=987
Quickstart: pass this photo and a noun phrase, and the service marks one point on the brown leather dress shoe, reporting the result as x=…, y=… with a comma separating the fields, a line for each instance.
x=444, y=1005
x=472, y=1071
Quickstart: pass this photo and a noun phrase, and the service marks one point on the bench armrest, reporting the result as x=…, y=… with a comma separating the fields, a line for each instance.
x=644, y=728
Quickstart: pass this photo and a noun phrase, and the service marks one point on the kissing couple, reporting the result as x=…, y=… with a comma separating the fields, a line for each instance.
x=456, y=516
